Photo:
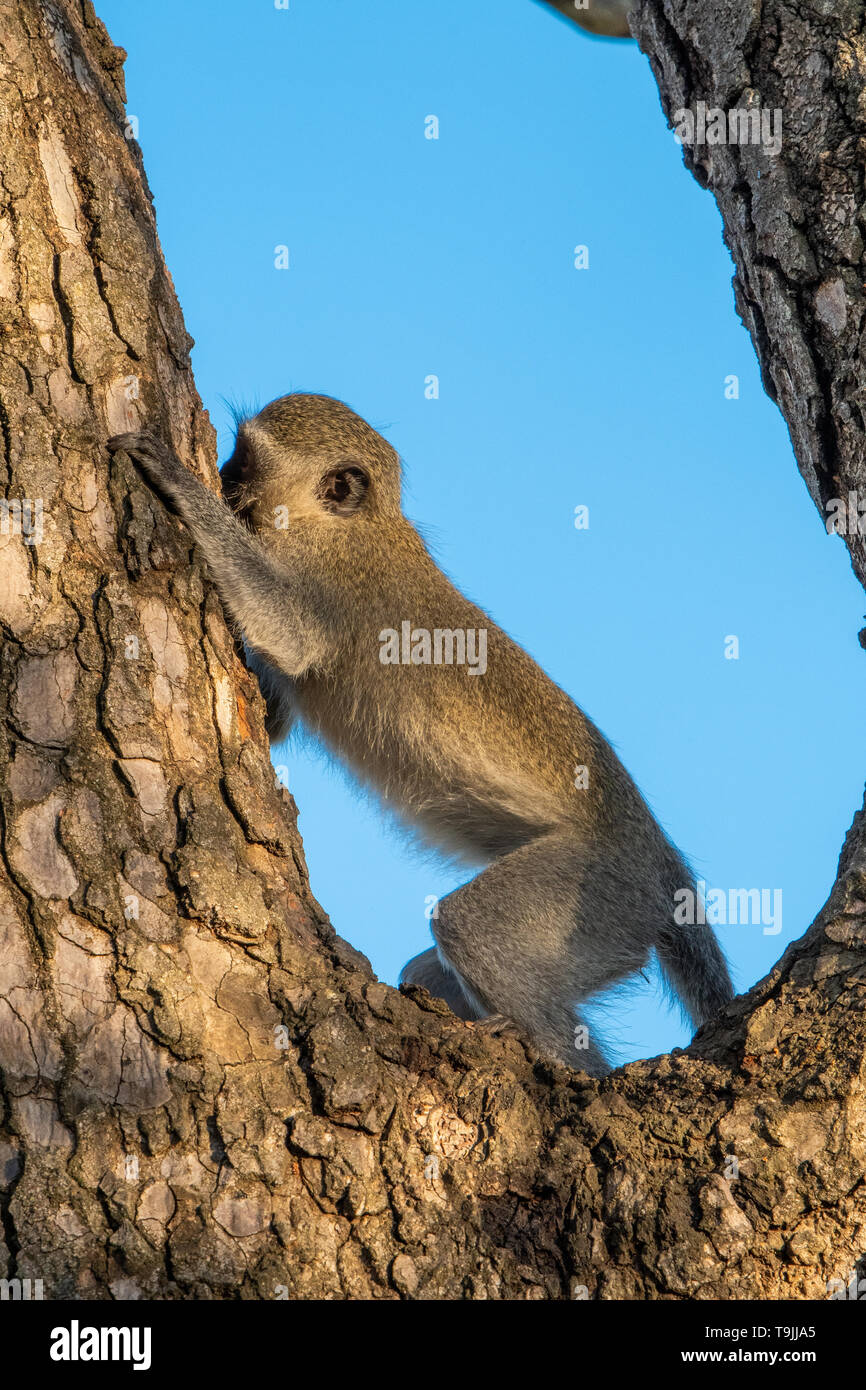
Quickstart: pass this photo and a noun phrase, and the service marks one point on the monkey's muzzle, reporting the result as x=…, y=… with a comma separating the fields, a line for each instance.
x=234, y=488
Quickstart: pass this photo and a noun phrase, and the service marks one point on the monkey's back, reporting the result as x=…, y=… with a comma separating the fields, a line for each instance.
x=478, y=763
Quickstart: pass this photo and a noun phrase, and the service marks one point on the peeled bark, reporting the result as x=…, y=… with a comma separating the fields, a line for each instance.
x=204, y=1093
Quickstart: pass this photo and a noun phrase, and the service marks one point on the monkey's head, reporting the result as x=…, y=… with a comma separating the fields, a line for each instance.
x=315, y=458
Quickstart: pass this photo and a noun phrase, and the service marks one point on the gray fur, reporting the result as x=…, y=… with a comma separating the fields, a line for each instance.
x=577, y=886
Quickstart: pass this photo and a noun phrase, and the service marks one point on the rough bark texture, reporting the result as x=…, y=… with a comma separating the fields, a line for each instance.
x=203, y=1092
x=794, y=222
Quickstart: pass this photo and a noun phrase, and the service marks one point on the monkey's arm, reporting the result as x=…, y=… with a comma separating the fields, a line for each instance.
x=266, y=602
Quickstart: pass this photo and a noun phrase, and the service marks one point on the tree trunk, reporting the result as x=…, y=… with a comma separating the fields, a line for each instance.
x=205, y=1093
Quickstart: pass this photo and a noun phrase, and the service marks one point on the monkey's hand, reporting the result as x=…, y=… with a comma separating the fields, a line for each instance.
x=267, y=602
x=159, y=464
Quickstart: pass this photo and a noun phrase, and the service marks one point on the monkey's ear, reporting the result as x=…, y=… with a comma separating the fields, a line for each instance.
x=342, y=491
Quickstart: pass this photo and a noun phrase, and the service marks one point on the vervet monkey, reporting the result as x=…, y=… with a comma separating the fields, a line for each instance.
x=339, y=604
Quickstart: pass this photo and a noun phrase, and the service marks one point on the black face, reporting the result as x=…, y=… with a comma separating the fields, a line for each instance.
x=236, y=471
x=340, y=491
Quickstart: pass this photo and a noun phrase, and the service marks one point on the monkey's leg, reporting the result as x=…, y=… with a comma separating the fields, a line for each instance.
x=428, y=971
x=588, y=1055
x=541, y=929
x=267, y=603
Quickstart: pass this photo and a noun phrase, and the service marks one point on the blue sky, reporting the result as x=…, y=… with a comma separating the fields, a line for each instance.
x=558, y=387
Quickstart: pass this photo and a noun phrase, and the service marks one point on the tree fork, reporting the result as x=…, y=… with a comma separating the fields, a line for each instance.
x=204, y=1093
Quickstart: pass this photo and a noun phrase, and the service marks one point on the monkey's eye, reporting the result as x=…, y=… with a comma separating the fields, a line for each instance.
x=342, y=491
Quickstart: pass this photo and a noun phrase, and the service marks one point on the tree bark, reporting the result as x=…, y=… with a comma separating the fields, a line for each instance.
x=204, y=1093
x=794, y=222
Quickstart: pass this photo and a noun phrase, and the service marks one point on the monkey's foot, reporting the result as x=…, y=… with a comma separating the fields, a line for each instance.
x=498, y=1026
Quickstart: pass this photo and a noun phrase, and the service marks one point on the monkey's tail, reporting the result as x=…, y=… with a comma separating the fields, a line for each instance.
x=693, y=963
